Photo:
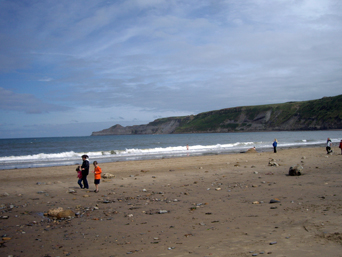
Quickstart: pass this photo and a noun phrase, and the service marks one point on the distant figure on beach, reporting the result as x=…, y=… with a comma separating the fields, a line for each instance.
x=275, y=143
x=187, y=147
x=79, y=176
x=85, y=170
x=329, y=144
x=97, y=176
x=340, y=146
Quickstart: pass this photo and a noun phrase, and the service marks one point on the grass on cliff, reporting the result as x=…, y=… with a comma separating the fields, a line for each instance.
x=326, y=110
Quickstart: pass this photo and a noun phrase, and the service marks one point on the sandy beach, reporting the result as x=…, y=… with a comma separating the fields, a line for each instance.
x=215, y=205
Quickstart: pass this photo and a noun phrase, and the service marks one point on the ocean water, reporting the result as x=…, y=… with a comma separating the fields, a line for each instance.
x=58, y=151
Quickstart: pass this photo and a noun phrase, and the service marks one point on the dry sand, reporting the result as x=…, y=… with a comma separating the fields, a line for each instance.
x=216, y=206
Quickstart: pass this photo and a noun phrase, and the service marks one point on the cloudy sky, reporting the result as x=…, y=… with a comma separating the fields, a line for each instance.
x=69, y=68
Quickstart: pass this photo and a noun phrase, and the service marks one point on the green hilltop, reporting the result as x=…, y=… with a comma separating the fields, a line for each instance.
x=321, y=114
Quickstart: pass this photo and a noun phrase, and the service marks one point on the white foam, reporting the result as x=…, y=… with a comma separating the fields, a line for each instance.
x=71, y=157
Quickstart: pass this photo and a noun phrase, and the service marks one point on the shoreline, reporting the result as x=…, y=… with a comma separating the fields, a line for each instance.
x=156, y=157
x=213, y=205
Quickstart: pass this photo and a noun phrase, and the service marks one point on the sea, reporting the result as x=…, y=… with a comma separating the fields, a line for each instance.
x=18, y=153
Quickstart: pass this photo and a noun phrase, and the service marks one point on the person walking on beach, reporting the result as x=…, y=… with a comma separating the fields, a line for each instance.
x=328, y=147
x=340, y=146
x=79, y=175
x=85, y=170
x=97, y=176
x=275, y=143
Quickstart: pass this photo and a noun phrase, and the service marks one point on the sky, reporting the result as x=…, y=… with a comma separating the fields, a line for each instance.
x=68, y=68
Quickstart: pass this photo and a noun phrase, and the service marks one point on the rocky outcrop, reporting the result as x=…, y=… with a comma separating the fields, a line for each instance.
x=157, y=127
x=325, y=113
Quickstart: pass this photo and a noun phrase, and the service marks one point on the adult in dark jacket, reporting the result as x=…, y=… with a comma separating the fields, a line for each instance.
x=85, y=170
x=275, y=143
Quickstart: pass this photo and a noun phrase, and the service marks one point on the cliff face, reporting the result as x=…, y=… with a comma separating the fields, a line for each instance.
x=325, y=113
x=161, y=126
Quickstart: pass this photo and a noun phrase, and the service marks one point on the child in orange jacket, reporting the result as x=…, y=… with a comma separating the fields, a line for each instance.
x=97, y=176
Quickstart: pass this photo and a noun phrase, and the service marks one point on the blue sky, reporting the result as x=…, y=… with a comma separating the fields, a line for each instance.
x=68, y=68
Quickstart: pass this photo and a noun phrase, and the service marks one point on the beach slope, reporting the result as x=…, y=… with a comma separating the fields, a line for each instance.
x=219, y=205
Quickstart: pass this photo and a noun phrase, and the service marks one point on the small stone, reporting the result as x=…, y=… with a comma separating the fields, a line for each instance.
x=54, y=212
x=107, y=175
x=273, y=243
x=65, y=214
x=295, y=170
x=276, y=200
x=273, y=163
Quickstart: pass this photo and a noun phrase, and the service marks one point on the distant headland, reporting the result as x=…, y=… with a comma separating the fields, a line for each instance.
x=320, y=114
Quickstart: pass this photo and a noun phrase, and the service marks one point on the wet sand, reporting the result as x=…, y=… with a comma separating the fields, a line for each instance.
x=194, y=206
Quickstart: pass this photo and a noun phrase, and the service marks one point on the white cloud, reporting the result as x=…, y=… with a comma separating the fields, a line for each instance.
x=27, y=103
x=145, y=59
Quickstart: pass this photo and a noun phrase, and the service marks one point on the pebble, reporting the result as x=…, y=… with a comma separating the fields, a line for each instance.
x=273, y=243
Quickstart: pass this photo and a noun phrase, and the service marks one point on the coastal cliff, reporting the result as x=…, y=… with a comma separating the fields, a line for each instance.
x=321, y=114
